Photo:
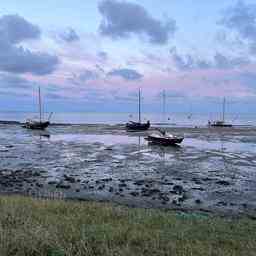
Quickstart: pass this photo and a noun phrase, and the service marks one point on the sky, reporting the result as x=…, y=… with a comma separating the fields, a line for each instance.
x=94, y=55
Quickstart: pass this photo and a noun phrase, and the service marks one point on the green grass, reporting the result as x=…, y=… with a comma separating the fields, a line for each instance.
x=58, y=228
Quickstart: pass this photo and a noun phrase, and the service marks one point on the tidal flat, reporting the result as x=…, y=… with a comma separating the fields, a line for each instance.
x=214, y=170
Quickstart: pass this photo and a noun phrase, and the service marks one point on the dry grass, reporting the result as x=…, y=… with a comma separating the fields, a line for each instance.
x=56, y=228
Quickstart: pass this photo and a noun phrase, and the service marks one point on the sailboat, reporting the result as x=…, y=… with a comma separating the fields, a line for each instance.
x=221, y=123
x=34, y=124
x=138, y=126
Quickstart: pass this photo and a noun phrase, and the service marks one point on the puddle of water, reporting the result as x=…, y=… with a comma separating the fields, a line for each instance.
x=106, y=139
x=220, y=145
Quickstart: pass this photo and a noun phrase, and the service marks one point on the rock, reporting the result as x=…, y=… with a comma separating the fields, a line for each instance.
x=106, y=180
x=69, y=179
x=139, y=182
x=135, y=194
x=36, y=174
x=221, y=203
x=200, y=189
x=165, y=198
x=149, y=192
x=178, y=189
x=52, y=182
x=63, y=186
x=223, y=182
x=183, y=198
x=101, y=187
x=39, y=185
x=111, y=189
x=198, y=201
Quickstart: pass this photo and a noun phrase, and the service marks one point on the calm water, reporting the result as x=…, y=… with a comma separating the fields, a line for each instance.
x=179, y=119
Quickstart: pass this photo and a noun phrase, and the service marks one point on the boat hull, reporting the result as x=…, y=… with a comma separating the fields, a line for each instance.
x=164, y=141
x=137, y=126
x=36, y=125
x=221, y=125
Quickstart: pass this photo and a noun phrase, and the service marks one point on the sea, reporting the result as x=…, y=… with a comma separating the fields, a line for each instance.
x=172, y=119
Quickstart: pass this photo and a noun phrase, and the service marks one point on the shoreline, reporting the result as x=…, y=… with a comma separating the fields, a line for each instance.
x=153, y=125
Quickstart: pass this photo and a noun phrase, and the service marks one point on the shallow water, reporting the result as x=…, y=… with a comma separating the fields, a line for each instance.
x=217, y=168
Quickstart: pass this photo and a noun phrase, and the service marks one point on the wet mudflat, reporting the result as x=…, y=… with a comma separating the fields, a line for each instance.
x=213, y=170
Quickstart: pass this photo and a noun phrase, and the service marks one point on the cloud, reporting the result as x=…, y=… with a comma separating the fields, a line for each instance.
x=15, y=29
x=123, y=19
x=19, y=60
x=69, y=35
x=10, y=81
x=15, y=58
x=219, y=61
x=85, y=76
x=126, y=74
x=103, y=55
x=241, y=19
x=224, y=62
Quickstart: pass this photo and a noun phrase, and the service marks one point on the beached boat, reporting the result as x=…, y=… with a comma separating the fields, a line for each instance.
x=220, y=123
x=138, y=126
x=165, y=139
x=37, y=124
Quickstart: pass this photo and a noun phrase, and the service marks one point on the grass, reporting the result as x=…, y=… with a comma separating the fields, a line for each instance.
x=57, y=228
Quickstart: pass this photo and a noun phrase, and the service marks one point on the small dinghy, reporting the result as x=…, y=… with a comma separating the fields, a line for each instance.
x=165, y=139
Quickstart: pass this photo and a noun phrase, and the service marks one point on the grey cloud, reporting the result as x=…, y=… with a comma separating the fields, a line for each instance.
x=10, y=81
x=224, y=62
x=70, y=35
x=85, y=76
x=15, y=29
x=126, y=74
x=241, y=18
x=103, y=55
x=100, y=68
x=187, y=62
x=219, y=61
x=121, y=19
x=16, y=59
x=20, y=60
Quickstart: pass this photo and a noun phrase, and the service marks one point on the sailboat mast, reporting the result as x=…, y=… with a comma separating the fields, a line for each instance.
x=164, y=105
x=139, y=105
x=223, y=110
x=40, y=104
